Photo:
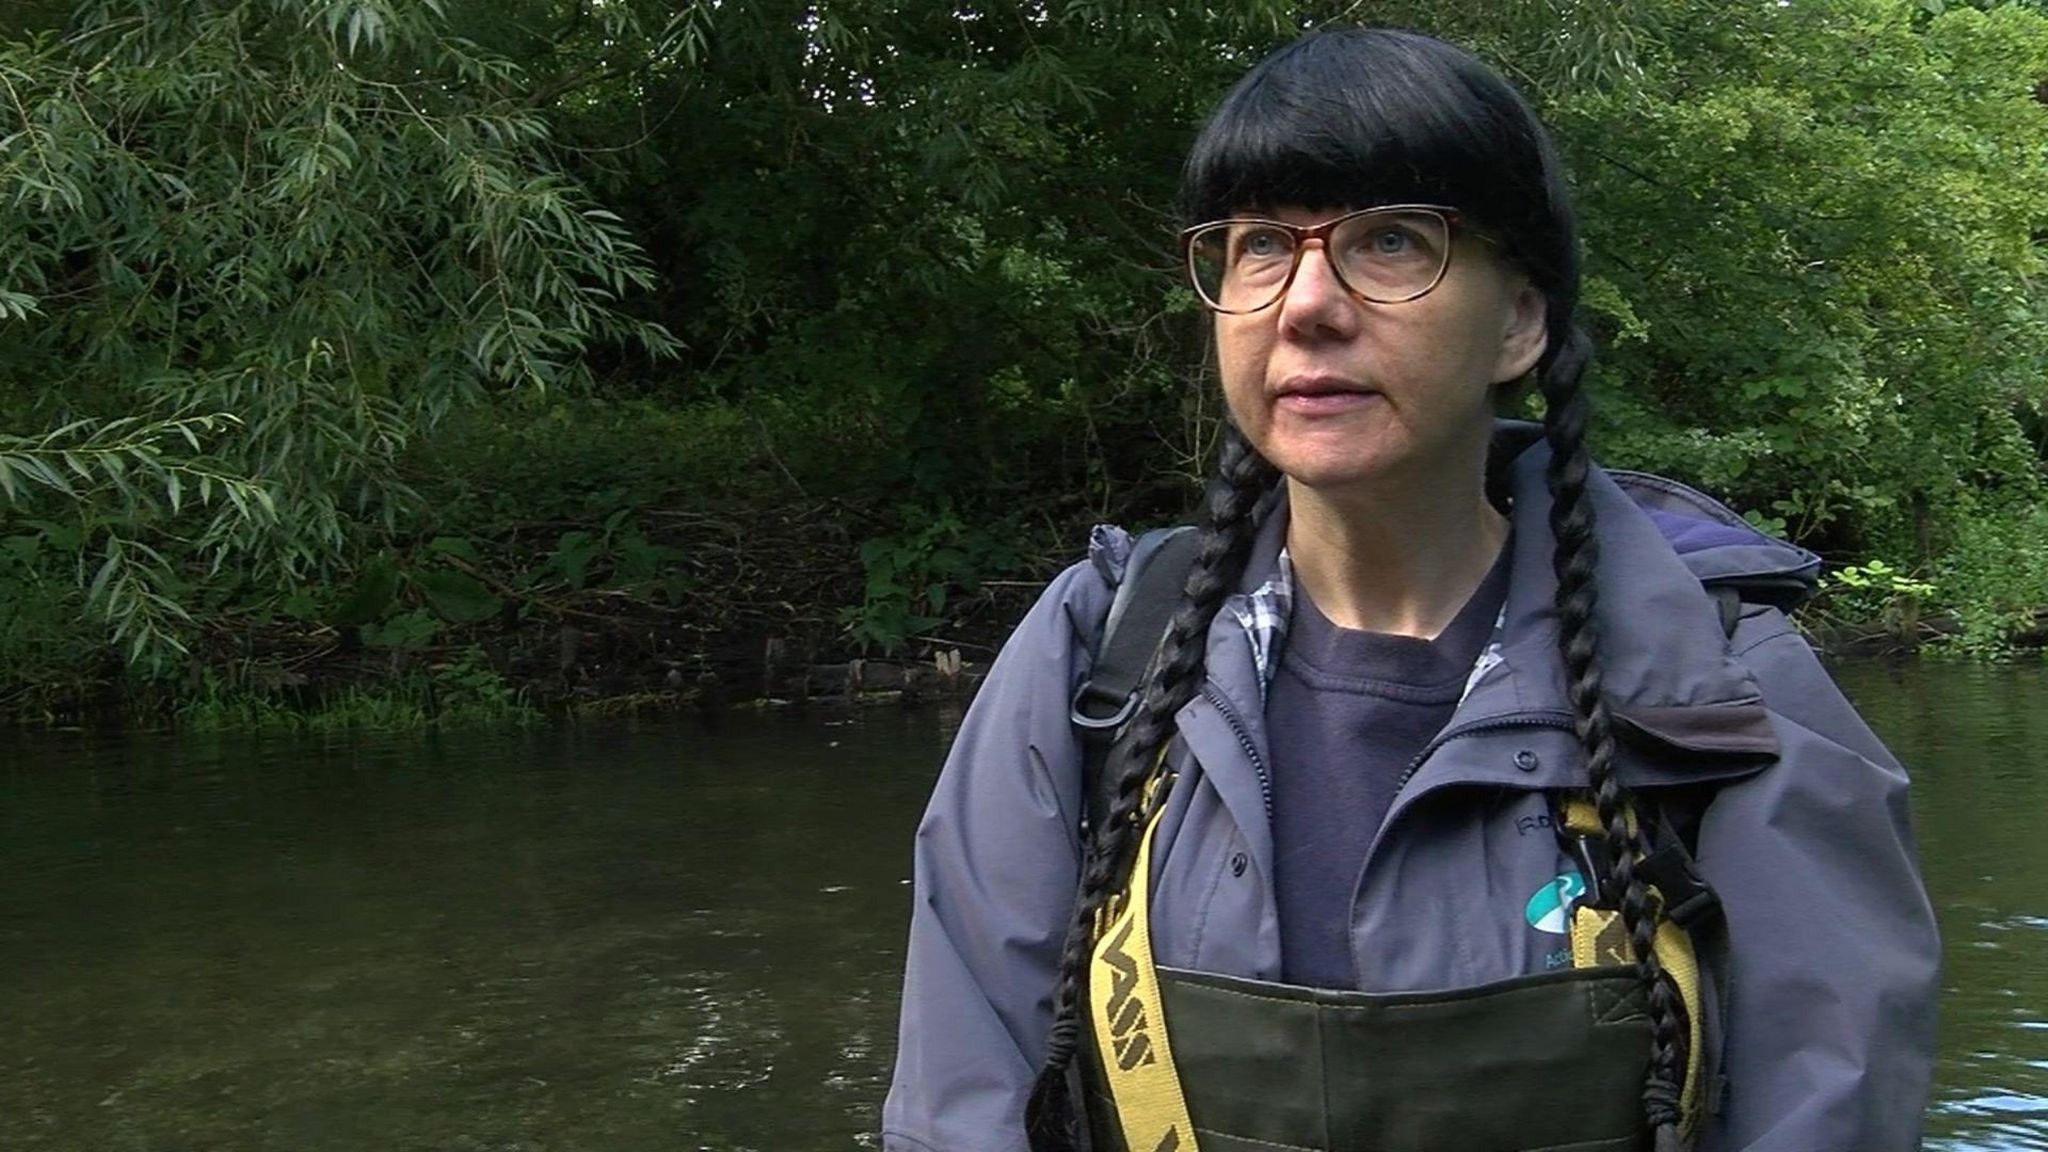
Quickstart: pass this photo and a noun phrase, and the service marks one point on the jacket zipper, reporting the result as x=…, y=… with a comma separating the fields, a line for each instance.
x=1497, y=723
x=1244, y=740
x=1518, y=720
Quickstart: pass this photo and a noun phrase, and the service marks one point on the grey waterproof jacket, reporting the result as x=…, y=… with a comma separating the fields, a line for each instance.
x=1824, y=970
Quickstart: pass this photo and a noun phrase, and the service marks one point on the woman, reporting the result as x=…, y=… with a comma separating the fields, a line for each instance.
x=1477, y=798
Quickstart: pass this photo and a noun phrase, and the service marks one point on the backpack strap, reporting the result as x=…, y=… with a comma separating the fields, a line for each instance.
x=1728, y=599
x=1157, y=571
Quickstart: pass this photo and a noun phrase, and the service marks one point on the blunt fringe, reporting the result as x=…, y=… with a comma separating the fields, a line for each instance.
x=1355, y=117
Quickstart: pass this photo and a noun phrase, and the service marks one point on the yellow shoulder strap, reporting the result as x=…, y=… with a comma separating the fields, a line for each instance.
x=1130, y=1020
x=1599, y=938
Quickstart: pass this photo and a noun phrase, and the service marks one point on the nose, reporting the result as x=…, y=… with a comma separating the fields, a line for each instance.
x=1317, y=303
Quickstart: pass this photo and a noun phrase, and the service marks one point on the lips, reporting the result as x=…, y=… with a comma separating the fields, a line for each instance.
x=1318, y=386
x=1322, y=395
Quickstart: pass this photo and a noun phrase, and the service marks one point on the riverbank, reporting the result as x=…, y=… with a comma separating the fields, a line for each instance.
x=784, y=636
x=662, y=566
x=607, y=654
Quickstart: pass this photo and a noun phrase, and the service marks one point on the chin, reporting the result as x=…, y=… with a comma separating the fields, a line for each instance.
x=1333, y=476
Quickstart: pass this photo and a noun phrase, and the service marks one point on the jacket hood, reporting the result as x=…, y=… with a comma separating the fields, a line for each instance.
x=1720, y=548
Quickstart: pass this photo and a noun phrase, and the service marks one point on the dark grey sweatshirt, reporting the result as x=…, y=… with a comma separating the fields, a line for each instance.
x=1348, y=712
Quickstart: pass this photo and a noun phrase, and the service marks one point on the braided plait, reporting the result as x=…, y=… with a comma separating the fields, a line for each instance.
x=1566, y=411
x=1242, y=478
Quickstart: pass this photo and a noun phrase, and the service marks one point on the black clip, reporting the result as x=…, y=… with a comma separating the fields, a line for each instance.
x=1688, y=898
x=1098, y=726
x=1596, y=862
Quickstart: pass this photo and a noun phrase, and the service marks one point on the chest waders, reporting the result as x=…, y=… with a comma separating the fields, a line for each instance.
x=1179, y=1061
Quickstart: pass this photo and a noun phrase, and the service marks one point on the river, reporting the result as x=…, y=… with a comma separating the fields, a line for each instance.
x=675, y=935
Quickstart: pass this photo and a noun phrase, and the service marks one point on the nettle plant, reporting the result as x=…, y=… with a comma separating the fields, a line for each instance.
x=1874, y=592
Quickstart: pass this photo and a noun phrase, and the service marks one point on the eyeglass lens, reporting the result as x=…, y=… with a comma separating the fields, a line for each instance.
x=1386, y=257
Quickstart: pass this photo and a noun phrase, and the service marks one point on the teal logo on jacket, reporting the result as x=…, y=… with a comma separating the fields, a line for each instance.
x=1549, y=909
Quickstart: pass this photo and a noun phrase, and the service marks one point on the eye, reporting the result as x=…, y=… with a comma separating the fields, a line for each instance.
x=1395, y=240
x=1262, y=244
x=1390, y=241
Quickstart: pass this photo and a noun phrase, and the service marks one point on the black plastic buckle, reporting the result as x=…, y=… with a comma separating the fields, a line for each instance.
x=1688, y=898
x=1094, y=725
x=1597, y=865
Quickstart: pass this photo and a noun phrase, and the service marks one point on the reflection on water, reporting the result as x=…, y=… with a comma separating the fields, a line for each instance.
x=669, y=936
x=620, y=939
x=1977, y=740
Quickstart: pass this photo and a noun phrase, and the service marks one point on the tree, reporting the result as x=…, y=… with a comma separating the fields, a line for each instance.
x=1812, y=231
x=263, y=246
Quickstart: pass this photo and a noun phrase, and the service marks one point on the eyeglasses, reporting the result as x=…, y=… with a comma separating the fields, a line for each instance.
x=1387, y=255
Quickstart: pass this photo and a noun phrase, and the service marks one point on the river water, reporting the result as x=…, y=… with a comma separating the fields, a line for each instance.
x=685, y=935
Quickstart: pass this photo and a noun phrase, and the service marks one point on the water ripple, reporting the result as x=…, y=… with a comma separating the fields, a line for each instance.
x=1997, y=1102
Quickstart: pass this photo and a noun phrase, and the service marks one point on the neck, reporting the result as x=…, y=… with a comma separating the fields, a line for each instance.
x=1395, y=559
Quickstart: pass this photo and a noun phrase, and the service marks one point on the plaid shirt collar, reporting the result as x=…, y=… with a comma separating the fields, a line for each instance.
x=1265, y=613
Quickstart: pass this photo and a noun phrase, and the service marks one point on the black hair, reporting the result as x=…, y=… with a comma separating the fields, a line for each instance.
x=1354, y=117
x=1351, y=118
x=1241, y=481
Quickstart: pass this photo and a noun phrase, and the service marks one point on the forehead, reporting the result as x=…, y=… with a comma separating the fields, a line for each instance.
x=1426, y=217
x=1309, y=215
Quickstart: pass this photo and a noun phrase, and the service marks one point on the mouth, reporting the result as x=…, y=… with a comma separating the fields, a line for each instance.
x=1318, y=385
x=1311, y=395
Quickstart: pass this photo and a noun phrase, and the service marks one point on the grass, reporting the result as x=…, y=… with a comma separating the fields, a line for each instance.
x=466, y=694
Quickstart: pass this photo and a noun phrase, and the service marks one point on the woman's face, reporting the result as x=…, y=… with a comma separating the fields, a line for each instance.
x=1343, y=394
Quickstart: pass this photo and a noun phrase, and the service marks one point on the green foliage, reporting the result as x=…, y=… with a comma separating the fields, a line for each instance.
x=43, y=643
x=932, y=244
x=1809, y=229
x=326, y=222
x=463, y=693
x=1875, y=593
x=328, y=320
x=618, y=555
x=1995, y=578
x=119, y=474
x=913, y=575
x=1814, y=230
x=1878, y=579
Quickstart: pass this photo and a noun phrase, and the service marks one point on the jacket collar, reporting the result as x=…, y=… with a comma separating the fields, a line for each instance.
x=1665, y=663
x=1667, y=672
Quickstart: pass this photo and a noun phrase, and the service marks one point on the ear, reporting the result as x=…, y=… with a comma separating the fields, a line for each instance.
x=1524, y=336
